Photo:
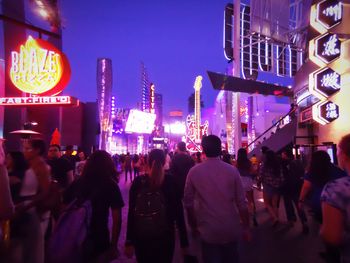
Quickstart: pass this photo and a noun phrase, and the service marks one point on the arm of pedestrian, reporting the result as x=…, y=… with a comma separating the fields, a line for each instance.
x=332, y=229
x=305, y=190
x=70, y=177
x=188, y=202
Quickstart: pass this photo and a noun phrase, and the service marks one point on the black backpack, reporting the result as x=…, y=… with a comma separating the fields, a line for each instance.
x=150, y=219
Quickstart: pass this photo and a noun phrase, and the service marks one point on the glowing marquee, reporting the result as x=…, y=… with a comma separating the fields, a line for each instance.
x=38, y=67
x=140, y=122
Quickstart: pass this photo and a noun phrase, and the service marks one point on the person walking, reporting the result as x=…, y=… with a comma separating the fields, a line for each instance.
x=98, y=185
x=61, y=168
x=335, y=198
x=216, y=189
x=154, y=208
x=34, y=191
x=127, y=167
x=293, y=172
x=320, y=172
x=272, y=181
x=6, y=203
x=136, y=165
x=180, y=166
x=246, y=171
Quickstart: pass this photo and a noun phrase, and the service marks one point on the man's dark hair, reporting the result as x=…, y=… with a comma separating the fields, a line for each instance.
x=211, y=146
x=181, y=146
x=69, y=148
x=56, y=146
x=38, y=144
x=264, y=149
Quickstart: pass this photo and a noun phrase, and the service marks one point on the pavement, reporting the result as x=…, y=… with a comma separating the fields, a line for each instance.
x=280, y=244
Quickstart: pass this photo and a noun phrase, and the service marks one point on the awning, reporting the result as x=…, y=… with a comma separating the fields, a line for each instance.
x=230, y=83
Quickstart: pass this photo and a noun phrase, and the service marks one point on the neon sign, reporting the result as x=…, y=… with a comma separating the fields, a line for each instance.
x=42, y=100
x=257, y=51
x=324, y=83
x=195, y=130
x=323, y=51
x=329, y=13
x=38, y=67
x=152, y=110
x=325, y=112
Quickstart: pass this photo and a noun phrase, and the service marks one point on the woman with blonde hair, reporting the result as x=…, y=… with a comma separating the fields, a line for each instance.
x=154, y=206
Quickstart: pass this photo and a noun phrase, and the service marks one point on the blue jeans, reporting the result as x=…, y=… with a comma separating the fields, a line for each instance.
x=219, y=253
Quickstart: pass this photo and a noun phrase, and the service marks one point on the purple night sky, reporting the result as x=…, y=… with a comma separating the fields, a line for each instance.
x=176, y=40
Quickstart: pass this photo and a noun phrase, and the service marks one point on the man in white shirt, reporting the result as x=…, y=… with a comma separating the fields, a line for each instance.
x=216, y=205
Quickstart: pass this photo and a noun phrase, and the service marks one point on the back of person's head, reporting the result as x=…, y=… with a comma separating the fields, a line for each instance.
x=211, y=146
x=98, y=170
x=320, y=167
x=156, y=162
x=18, y=161
x=344, y=151
x=135, y=158
x=69, y=148
x=38, y=145
x=56, y=146
x=181, y=146
x=272, y=162
x=243, y=163
x=264, y=149
x=227, y=158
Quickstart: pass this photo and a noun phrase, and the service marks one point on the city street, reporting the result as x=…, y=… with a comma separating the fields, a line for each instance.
x=281, y=244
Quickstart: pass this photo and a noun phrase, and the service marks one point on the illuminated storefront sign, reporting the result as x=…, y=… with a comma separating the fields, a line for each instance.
x=327, y=47
x=329, y=13
x=42, y=100
x=325, y=112
x=38, y=67
x=40, y=70
x=140, y=122
x=325, y=50
x=324, y=83
x=326, y=15
x=152, y=102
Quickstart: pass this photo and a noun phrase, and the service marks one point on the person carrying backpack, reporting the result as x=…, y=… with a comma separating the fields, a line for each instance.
x=81, y=233
x=154, y=206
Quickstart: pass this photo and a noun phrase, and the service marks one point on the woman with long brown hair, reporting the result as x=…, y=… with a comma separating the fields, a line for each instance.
x=98, y=184
x=246, y=171
x=154, y=206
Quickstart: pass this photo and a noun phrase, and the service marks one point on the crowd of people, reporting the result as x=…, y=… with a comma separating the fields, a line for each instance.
x=56, y=208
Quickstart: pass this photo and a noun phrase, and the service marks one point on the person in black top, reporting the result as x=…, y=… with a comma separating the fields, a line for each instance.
x=68, y=155
x=180, y=165
x=16, y=167
x=153, y=238
x=293, y=172
x=61, y=168
x=98, y=185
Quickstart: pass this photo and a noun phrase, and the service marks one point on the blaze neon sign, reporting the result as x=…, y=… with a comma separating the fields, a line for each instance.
x=37, y=67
